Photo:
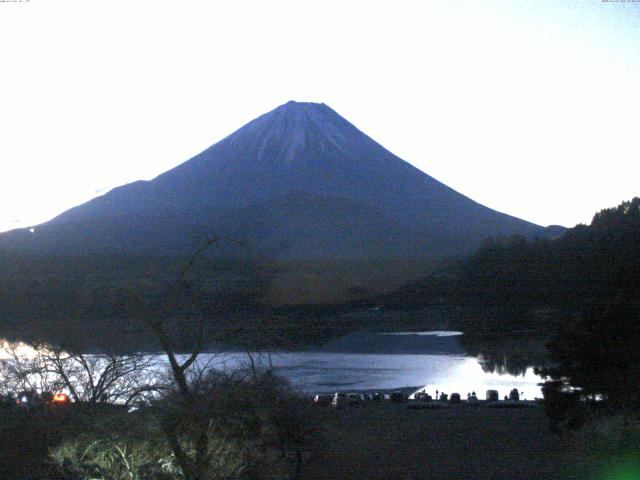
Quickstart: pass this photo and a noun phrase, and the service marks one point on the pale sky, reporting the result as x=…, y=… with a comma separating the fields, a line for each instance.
x=528, y=107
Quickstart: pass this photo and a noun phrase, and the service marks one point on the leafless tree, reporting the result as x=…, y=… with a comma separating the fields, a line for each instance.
x=189, y=421
x=193, y=458
x=89, y=378
x=21, y=368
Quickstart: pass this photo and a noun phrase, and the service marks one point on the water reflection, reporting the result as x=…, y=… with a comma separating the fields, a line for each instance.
x=432, y=333
x=471, y=377
x=504, y=364
x=319, y=372
x=434, y=360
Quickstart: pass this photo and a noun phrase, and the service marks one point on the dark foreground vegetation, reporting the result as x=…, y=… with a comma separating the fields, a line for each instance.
x=260, y=436
x=387, y=441
x=585, y=266
x=233, y=425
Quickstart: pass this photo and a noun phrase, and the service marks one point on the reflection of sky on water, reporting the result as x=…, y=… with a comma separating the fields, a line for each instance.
x=432, y=333
x=433, y=360
x=468, y=376
x=313, y=372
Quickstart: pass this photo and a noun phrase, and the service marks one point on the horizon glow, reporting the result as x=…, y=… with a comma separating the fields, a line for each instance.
x=529, y=108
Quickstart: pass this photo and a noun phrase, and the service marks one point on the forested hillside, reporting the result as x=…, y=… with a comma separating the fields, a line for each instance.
x=582, y=267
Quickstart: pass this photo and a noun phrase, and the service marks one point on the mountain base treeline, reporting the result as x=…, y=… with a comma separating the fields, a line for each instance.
x=582, y=288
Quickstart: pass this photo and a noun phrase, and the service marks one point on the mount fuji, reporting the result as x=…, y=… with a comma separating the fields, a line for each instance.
x=297, y=183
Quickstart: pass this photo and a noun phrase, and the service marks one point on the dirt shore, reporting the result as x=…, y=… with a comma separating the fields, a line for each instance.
x=387, y=441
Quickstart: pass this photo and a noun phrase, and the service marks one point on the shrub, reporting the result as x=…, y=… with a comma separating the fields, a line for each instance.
x=255, y=428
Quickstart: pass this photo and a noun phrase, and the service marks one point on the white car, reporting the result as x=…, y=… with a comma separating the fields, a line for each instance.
x=322, y=399
x=339, y=399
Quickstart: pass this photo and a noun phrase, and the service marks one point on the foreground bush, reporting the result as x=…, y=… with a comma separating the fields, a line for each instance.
x=115, y=446
x=255, y=428
x=608, y=447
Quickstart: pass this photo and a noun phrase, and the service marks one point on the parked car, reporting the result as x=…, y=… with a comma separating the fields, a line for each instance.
x=353, y=399
x=46, y=397
x=366, y=397
x=472, y=400
x=492, y=396
x=322, y=400
x=398, y=397
x=455, y=398
x=32, y=400
x=428, y=406
x=422, y=397
x=339, y=399
x=377, y=397
x=514, y=395
x=60, y=399
x=28, y=399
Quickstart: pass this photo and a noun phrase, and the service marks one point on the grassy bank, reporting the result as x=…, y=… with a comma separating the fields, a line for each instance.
x=387, y=441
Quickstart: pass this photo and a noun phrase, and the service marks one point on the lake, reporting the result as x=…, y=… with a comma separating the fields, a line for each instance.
x=431, y=360
x=384, y=361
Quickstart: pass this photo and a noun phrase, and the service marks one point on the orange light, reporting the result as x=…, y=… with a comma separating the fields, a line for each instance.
x=60, y=398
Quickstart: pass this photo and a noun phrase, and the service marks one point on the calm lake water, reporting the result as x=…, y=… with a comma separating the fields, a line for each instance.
x=366, y=361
